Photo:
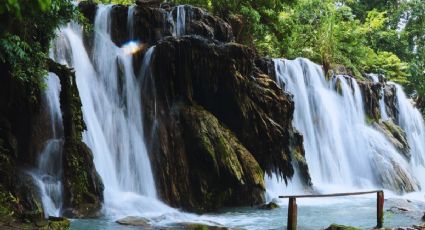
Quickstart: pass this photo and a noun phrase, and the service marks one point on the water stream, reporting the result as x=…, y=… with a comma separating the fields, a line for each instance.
x=343, y=151
x=48, y=173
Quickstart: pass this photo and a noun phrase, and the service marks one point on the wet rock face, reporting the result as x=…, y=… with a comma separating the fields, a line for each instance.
x=20, y=122
x=222, y=171
x=395, y=135
x=153, y=21
x=219, y=123
x=83, y=189
x=372, y=93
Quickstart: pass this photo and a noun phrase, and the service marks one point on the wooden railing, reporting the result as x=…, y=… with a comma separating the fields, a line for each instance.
x=292, y=206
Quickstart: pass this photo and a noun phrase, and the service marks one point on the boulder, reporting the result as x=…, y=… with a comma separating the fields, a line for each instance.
x=269, y=206
x=59, y=223
x=411, y=209
x=341, y=227
x=134, y=221
x=197, y=226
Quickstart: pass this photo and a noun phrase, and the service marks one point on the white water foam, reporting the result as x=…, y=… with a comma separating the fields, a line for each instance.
x=48, y=173
x=343, y=152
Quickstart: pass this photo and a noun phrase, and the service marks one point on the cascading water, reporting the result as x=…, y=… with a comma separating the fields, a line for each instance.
x=111, y=99
x=342, y=150
x=130, y=21
x=179, y=22
x=49, y=169
x=411, y=121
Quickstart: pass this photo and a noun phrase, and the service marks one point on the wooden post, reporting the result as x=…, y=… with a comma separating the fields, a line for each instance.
x=292, y=214
x=380, y=209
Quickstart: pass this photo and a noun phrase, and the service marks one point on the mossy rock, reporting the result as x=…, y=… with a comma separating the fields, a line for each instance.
x=59, y=223
x=341, y=227
x=196, y=226
x=395, y=135
x=269, y=206
x=223, y=171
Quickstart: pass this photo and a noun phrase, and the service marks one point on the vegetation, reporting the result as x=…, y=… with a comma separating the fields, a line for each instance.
x=386, y=37
x=26, y=28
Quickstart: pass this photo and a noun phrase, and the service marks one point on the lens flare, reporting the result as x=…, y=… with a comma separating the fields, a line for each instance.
x=132, y=47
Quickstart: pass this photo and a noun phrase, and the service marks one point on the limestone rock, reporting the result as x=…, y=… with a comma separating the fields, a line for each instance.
x=196, y=226
x=83, y=189
x=411, y=209
x=152, y=22
x=269, y=206
x=134, y=221
x=372, y=93
x=211, y=144
x=341, y=227
x=59, y=223
x=395, y=134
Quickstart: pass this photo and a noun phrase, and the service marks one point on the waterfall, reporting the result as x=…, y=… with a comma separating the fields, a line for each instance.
x=342, y=150
x=179, y=21
x=49, y=166
x=130, y=21
x=411, y=121
x=111, y=105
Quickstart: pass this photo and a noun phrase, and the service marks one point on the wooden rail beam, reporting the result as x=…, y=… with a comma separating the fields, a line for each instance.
x=292, y=206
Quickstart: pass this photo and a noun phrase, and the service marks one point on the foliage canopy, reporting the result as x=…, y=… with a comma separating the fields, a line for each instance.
x=386, y=37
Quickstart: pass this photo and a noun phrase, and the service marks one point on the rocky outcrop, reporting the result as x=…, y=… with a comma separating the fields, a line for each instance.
x=23, y=132
x=215, y=120
x=153, y=22
x=372, y=93
x=341, y=227
x=211, y=144
x=269, y=206
x=395, y=135
x=82, y=185
x=134, y=221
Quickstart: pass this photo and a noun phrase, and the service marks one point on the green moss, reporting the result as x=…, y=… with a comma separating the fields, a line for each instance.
x=6, y=203
x=59, y=224
x=195, y=226
x=299, y=157
x=369, y=119
x=341, y=227
x=235, y=169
